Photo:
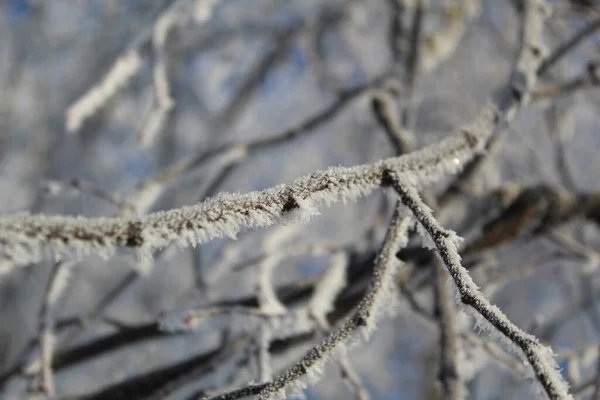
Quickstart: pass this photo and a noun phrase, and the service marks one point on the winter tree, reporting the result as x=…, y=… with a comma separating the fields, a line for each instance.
x=324, y=199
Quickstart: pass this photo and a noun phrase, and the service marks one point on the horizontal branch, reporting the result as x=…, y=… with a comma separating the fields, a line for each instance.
x=28, y=238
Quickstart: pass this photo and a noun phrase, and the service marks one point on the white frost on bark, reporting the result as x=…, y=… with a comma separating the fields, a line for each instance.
x=30, y=238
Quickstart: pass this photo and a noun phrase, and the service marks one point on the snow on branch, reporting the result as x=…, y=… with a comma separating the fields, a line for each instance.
x=30, y=238
x=446, y=242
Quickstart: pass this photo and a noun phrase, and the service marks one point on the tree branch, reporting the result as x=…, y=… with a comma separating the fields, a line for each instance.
x=446, y=242
x=29, y=238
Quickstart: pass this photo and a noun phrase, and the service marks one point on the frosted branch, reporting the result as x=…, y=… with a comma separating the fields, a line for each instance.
x=413, y=63
x=328, y=287
x=54, y=188
x=267, y=299
x=441, y=45
x=56, y=286
x=175, y=16
x=265, y=372
x=492, y=349
x=30, y=238
x=247, y=391
x=352, y=379
x=316, y=249
x=364, y=317
x=125, y=67
x=589, y=78
x=382, y=104
x=569, y=45
x=445, y=310
x=516, y=93
x=446, y=242
x=129, y=63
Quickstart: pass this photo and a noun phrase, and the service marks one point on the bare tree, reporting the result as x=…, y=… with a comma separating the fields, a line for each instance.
x=210, y=199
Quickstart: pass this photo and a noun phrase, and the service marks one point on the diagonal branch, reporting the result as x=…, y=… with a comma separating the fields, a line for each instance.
x=446, y=242
x=364, y=317
x=569, y=45
x=514, y=95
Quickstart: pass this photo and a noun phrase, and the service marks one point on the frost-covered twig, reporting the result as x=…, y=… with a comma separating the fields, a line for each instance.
x=247, y=391
x=588, y=79
x=267, y=298
x=446, y=242
x=530, y=60
x=175, y=16
x=125, y=67
x=516, y=93
x=449, y=373
x=352, y=379
x=56, y=286
x=439, y=46
x=163, y=101
x=568, y=46
x=397, y=35
x=232, y=153
x=383, y=108
x=55, y=187
x=29, y=238
x=129, y=63
x=364, y=317
x=561, y=126
x=303, y=249
x=328, y=287
x=493, y=350
x=274, y=56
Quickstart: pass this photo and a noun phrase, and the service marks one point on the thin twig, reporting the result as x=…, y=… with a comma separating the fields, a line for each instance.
x=56, y=286
x=513, y=96
x=568, y=46
x=413, y=62
x=449, y=374
x=590, y=78
x=383, y=108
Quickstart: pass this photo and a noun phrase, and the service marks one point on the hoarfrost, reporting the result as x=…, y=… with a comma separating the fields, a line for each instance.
x=27, y=238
